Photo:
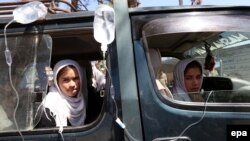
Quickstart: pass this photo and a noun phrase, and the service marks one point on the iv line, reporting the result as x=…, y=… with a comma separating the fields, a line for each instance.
x=9, y=63
x=189, y=126
x=118, y=121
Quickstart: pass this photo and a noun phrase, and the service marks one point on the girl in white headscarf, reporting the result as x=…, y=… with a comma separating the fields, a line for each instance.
x=65, y=102
x=187, y=79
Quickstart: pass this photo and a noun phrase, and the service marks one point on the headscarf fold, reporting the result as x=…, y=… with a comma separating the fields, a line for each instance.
x=179, y=89
x=63, y=107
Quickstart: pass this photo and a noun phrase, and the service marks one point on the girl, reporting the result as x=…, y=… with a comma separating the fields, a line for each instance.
x=65, y=104
x=187, y=80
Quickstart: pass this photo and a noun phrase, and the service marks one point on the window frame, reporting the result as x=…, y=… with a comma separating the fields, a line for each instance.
x=55, y=25
x=140, y=19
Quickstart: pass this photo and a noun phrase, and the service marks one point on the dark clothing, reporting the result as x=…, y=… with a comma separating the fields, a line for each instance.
x=47, y=121
x=92, y=112
x=94, y=105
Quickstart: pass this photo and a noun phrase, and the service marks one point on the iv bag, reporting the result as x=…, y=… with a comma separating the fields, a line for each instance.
x=30, y=12
x=104, y=25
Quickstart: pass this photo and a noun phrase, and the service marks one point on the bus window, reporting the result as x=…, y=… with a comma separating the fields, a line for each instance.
x=230, y=83
x=30, y=79
x=25, y=81
x=231, y=51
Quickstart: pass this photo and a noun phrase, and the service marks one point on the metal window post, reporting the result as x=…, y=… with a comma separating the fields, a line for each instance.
x=128, y=87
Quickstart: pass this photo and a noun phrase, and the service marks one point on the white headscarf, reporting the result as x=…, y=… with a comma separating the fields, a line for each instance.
x=62, y=106
x=179, y=87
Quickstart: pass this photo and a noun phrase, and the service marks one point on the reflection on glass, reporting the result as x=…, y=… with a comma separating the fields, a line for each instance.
x=231, y=51
x=31, y=53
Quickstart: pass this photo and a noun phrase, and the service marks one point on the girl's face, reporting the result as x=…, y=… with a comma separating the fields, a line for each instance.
x=69, y=82
x=192, y=79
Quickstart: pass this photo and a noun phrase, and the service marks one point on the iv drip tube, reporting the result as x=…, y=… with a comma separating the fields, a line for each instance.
x=9, y=63
x=189, y=126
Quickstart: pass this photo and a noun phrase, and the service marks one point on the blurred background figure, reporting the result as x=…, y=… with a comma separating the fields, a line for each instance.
x=164, y=79
x=210, y=66
x=98, y=78
x=196, y=2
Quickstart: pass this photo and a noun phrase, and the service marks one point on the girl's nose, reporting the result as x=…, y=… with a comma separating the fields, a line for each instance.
x=72, y=83
x=196, y=81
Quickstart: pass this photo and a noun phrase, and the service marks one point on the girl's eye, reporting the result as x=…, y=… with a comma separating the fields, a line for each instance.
x=188, y=78
x=66, y=80
x=198, y=77
x=76, y=78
